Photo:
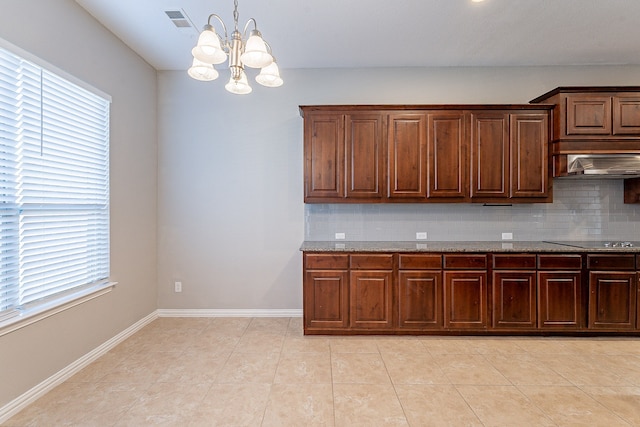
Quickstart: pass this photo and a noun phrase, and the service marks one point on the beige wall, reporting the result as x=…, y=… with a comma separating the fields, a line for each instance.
x=231, y=215
x=229, y=209
x=64, y=35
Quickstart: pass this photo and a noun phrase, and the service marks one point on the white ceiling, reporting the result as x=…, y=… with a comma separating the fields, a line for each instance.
x=392, y=33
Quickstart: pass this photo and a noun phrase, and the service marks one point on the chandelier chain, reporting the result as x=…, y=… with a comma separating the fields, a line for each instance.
x=236, y=16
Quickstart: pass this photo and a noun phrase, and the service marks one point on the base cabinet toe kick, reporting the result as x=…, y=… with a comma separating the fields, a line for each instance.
x=352, y=293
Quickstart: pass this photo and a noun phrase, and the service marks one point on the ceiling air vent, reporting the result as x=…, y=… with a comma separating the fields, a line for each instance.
x=179, y=18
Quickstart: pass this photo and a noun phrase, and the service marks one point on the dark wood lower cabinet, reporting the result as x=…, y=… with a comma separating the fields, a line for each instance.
x=559, y=300
x=370, y=305
x=465, y=299
x=514, y=299
x=370, y=291
x=638, y=302
x=326, y=302
x=471, y=293
x=325, y=291
x=420, y=300
x=612, y=300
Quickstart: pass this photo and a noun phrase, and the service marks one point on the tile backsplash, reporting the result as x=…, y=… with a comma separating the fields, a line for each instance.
x=589, y=209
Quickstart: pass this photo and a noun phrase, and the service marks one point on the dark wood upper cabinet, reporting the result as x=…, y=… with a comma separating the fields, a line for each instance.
x=606, y=113
x=344, y=156
x=324, y=156
x=447, y=155
x=490, y=154
x=593, y=120
x=453, y=153
x=407, y=154
x=529, y=155
x=588, y=114
x=509, y=155
x=365, y=155
x=611, y=114
x=626, y=114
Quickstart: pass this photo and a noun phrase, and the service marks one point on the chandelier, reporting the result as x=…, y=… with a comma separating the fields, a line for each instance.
x=255, y=53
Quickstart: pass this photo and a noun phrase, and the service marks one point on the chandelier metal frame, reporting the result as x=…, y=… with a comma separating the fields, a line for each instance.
x=255, y=52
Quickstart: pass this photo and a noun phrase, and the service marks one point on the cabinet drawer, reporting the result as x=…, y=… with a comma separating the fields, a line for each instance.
x=326, y=261
x=372, y=262
x=465, y=262
x=559, y=262
x=514, y=261
x=611, y=262
x=420, y=262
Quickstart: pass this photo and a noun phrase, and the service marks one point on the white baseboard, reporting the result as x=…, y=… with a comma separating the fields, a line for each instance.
x=170, y=312
x=24, y=400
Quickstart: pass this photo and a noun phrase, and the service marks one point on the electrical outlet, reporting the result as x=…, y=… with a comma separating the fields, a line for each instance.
x=340, y=236
x=507, y=236
x=421, y=235
x=177, y=286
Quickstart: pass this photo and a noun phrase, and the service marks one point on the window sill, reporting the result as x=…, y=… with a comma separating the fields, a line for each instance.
x=29, y=316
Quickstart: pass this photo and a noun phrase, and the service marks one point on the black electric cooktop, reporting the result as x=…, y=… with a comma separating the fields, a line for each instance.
x=601, y=244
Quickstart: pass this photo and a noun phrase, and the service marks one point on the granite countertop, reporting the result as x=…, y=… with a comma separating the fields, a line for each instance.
x=456, y=246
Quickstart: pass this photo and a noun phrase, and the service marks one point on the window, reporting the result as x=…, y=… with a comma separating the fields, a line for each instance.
x=54, y=186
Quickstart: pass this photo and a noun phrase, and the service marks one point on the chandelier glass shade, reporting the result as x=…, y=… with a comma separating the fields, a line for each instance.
x=202, y=71
x=254, y=53
x=270, y=76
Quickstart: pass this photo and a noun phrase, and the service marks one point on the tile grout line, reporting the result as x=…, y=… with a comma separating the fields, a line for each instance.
x=333, y=392
x=266, y=406
x=395, y=391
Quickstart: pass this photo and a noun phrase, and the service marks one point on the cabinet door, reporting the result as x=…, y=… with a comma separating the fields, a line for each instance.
x=420, y=300
x=446, y=152
x=529, y=155
x=626, y=115
x=490, y=155
x=612, y=300
x=407, y=156
x=324, y=156
x=370, y=299
x=559, y=300
x=465, y=294
x=326, y=303
x=364, y=165
x=638, y=302
x=588, y=114
x=514, y=299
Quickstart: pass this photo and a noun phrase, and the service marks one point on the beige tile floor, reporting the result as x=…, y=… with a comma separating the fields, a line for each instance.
x=264, y=372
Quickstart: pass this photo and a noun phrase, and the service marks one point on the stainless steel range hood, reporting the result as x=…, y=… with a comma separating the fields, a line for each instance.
x=603, y=165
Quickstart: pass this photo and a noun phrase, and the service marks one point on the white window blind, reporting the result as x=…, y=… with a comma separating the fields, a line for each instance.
x=54, y=184
x=9, y=212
